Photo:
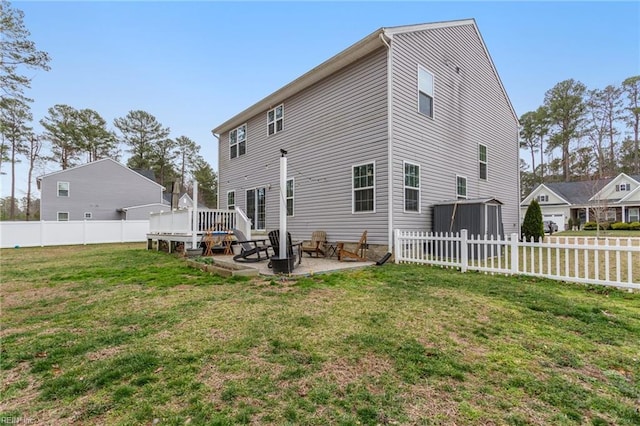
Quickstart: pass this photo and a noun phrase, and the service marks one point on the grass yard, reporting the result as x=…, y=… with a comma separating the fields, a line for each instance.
x=611, y=233
x=115, y=334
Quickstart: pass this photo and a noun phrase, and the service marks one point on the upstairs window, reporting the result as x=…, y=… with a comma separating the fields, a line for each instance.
x=231, y=200
x=461, y=187
x=63, y=189
x=623, y=187
x=238, y=141
x=425, y=92
x=363, y=188
x=290, y=185
x=411, y=187
x=275, y=119
x=543, y=198
x=482, y=160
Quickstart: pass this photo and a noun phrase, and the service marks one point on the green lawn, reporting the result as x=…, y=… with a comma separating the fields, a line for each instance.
x=609, y=233
x=115, y=334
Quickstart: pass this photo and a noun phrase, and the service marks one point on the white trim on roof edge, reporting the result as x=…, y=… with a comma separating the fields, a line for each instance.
x=348, y=56
x=613, y=182
x=527, y=199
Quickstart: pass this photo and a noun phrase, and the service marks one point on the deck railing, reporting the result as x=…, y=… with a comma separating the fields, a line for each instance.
x=606, y=261
x=182, y=221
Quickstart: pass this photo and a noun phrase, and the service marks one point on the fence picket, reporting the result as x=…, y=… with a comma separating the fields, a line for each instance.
x=476, y=252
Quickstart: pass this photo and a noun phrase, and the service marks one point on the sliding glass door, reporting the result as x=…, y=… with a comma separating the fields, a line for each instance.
x=256, y=207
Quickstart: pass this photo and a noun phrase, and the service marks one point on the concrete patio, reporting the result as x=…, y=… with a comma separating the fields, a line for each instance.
x=309, y=265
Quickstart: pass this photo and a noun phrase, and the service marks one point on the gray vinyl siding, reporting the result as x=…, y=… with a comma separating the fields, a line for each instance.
x=469, y=108
x=338, y=122
x=101, y=188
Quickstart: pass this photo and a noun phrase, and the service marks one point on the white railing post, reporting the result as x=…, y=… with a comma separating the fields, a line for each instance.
x=515, y=254
x=464, y=250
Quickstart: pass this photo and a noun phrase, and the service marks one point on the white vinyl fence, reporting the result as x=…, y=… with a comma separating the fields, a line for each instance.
x=605, y=261
x=54, y=233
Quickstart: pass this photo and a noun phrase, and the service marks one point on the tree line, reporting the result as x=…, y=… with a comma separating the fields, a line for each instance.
x=595, y=132
x=77, y=136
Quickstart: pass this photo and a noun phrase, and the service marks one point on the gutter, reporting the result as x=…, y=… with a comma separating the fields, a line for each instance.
x=383, y=38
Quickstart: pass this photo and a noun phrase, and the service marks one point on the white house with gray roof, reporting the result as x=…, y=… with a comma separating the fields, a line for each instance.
x=403, y=119
x=615, y=199
x=100, y=190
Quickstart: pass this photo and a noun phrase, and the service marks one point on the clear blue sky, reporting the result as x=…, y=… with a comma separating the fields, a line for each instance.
x=195, y=64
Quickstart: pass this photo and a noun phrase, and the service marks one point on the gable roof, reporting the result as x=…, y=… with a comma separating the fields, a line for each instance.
x=546, y=187
x=377, y=39
x=137, y=173
x=580, y=192
x=611, y=183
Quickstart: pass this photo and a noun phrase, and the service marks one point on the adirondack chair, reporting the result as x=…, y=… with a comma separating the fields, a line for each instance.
x=360, y=254
x=318, y=240
x=293, y=249
x=250, y=250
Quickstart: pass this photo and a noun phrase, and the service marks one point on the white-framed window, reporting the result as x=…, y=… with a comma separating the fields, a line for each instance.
x=238, y=141
x=634, y=214
x=363, y=194
x=231, y=199
x=411, y=187
x=482, y=161
x=623, y=187
x=461, y=186
x=275, y=120
x=63, y=189
x=611, y=215
x=290, y=194
x=425, y=91
x=543, y=198
x=63, y=216
x=88, y=215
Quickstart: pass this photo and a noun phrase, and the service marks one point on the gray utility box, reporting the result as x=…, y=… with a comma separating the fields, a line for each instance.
x=480, y=217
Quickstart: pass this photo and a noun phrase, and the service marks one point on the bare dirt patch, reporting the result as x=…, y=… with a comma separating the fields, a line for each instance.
x=104, y=353
x=24, y=397
x=30, y=295
x=343, y=372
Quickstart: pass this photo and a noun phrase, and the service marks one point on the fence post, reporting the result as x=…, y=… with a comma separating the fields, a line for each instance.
x=464, y=250
x=515, y=254
x=396, y=245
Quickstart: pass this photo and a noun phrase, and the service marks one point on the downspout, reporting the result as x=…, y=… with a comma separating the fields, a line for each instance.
x=218, y=188
x=390, y=205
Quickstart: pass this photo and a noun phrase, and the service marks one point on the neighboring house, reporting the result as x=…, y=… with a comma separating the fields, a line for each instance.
x=614, y=200
x=184, y=201
x=403, y=119
x=101, y=190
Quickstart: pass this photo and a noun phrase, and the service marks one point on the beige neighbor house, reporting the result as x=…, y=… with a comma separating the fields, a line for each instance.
x=403, y=119
x=614, y=199
x=100, y=190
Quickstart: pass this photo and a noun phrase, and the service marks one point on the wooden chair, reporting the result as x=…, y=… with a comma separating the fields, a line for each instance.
x=318, y=240
x=360, y=254
x=250, y=250
x=293, y=249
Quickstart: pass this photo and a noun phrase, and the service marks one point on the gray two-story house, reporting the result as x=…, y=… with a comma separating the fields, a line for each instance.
x=404, y=119
x=100, y=190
